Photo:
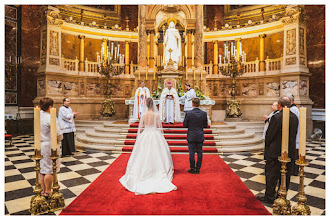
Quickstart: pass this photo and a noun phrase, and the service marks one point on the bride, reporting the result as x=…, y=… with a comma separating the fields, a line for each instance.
x=150, y=166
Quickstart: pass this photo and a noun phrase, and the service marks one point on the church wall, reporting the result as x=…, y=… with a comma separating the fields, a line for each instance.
x=30, y=37
x=70, y=46
x=315, y=37
x=92, y=46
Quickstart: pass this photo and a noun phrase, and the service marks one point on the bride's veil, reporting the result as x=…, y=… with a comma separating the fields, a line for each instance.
x=150, y=117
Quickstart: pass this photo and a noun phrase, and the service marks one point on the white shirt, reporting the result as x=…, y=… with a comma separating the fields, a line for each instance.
x=65, y=118
x=188, y=96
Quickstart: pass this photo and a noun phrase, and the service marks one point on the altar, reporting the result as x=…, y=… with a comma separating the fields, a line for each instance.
x=205, y=105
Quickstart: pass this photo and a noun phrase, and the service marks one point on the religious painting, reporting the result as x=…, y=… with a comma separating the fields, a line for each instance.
x=291, y=42
x=273, y=89
x=290, y=87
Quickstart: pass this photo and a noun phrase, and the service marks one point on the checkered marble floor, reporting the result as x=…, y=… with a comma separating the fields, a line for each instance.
x=78, y=171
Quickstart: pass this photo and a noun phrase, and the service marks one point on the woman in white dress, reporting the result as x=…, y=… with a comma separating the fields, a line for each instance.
x=150, y=166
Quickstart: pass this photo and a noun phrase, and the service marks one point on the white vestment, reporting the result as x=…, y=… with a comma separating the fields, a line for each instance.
x=295, y=110
x=172, y=40
x=169, y=110
x=188, y=96
x=141, y=94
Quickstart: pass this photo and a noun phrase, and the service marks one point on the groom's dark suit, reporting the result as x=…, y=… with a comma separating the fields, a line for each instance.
x=195, y=120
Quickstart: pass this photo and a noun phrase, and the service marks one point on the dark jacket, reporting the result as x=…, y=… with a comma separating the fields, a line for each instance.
x=195, y=120
x=273, y=140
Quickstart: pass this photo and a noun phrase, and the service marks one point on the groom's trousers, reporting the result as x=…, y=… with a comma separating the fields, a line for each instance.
x=195, y=147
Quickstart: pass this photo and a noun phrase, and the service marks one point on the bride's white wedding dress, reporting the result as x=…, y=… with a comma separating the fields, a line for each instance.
x=150, y=166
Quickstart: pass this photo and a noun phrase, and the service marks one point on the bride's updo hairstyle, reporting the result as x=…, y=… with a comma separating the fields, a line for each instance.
x=149, y=103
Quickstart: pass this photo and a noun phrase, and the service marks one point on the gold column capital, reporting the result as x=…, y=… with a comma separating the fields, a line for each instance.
x=262, y=35
x=215, y=41
x=104, y=40
x=238, y=39
x=81, y=37
x=127, y=41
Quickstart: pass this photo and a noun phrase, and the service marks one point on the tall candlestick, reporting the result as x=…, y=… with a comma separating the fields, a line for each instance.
x=186, y=72
x=118, y=50
x=147, y=73
x=154, y=72
x=53, y=134
x=302, y=133
x=112, y=49
x=285, y=132
x=37, y=139
x=202, y=71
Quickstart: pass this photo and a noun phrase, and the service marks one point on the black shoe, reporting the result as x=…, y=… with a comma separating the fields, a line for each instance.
x=197, y=172
x=192, y=170
x=263, y=199
x=172, y=123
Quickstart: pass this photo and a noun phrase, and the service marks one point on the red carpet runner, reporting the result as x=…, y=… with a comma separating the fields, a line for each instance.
x=217, y=190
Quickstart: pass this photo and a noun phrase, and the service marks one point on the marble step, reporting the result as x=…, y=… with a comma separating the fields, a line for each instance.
x=230, y=150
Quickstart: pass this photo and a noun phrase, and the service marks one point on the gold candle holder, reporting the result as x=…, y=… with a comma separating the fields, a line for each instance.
x=301, y=208
x=38, y=204
x=56, y=198
x=281, y=205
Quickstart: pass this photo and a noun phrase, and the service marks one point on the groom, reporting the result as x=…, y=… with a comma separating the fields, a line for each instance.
x=195, y=120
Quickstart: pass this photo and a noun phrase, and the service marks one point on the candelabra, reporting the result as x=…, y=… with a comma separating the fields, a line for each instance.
x=301, y=208
x=38, y=204
x=56, y=198
x=281, y=205
x=108, y=69
x=233, y=69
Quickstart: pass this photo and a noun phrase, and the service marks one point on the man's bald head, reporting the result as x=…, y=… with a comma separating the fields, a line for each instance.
x=284, y=101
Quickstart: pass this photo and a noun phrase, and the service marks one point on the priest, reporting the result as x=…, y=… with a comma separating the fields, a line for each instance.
x=187, y=97
x=141, y=95
x=169, y=106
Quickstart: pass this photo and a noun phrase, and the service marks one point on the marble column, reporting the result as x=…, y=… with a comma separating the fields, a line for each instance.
x=142, y=58
x=262, y=52
x=152, y=49
x=127, y=57
x=105, y=49
x=199, y=45
x=82, y=53
x=215, y=57
x=238, y=47
x=189, y=49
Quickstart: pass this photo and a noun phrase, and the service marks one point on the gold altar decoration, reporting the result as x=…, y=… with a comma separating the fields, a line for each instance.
x=281, y=205
x=56, y=198
x=108, y=69
x=38, y=204
x=233, y=69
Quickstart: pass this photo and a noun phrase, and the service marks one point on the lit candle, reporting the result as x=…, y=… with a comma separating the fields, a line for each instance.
x=302, y=133
x=147, y=73
x=111, y=48
x=118, y=50
x=285, y=132
x=53, y=134
x=37, y=139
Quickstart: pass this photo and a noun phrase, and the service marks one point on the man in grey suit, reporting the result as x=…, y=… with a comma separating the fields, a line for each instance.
x=195, y=120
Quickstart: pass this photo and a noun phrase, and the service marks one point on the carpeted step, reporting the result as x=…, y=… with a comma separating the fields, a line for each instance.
x=179, y=149
x=181, y=131
x=175, y=125
x=177, y=143
x=207, y=137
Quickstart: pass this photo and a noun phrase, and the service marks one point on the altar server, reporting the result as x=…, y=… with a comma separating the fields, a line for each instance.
x=141, y=95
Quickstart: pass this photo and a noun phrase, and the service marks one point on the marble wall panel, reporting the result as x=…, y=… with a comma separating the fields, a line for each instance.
x=54, y=43
x=10, y=12
x=274, y=45
x=10, y=98
x=41, y=87
x=70, y=46
x=92, y=46
x=133, y=52
x=303, y=88
x=212, y=11
x=290, y=87
x=251, y=47
x=130, y=12
x=272, y=89
x=291, y=46
x=249, y=89
x=54, y=87
x=11, y=55
x=93, y=89
x=70, y=88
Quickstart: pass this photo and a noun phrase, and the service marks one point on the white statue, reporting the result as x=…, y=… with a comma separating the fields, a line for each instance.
x=172, y=42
